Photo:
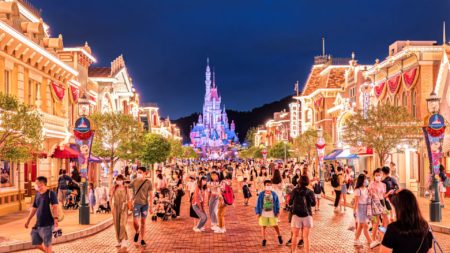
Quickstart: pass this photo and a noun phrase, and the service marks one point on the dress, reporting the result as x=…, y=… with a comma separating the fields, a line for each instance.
x=120, y=213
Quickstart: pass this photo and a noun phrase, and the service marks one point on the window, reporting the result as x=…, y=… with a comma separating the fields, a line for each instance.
x=7, y=81
x=5, y=174
x=30, y=92
x=404, y=99
x=352, y=94
x=413, y=104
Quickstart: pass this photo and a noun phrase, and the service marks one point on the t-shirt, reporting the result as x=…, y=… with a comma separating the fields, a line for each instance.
x=363, y=195
x=377, y=189
x=401, y=243
x=141, y=198
x=391, y=183
x=42, y=203
x=63, y=182
x=214, y=188
x=267, y=210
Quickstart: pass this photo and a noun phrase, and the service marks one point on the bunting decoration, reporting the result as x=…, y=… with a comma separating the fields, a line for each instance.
x=380, y=90
x=394, y=84
x=74, y=94
x=410, y=78
x=58, y=91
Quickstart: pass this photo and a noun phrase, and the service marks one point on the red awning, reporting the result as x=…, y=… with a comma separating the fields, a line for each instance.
x=65, y=153
x=40, y=154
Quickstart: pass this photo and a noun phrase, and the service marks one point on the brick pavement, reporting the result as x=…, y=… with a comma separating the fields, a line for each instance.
x=330, y=234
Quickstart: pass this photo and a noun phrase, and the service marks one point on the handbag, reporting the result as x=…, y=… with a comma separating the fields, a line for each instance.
x=377, y=207
x=130, y=202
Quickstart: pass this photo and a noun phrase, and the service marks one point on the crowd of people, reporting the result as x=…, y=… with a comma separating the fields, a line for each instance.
x=388, y=216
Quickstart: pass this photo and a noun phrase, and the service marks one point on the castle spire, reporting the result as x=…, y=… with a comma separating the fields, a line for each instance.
x=214, y=78
x=444, y=35
x=208, y=78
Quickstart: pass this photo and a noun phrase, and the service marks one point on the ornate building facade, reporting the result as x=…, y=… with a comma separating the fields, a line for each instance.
x=213, y=133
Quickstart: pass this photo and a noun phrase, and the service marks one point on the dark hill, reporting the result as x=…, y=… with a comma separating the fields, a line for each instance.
x=244, y=119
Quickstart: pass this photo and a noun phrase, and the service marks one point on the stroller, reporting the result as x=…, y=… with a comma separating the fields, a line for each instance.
x=163, y=203
x=72, y=199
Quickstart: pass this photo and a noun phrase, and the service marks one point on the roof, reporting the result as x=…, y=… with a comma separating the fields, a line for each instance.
x=99, y=72
x=324, y=77
x=214, y=93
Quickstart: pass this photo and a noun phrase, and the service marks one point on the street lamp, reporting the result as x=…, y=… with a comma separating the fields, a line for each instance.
x=82, y=132
x=434, y=130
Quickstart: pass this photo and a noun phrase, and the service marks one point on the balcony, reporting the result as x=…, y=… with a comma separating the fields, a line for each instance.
x=54, y=126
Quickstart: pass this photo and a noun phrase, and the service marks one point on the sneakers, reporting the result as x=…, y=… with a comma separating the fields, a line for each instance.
x=264, y=243
x=197, y=230
x=280, y=240
x=136, y=237
x=357, y=243
x=124, y=244
x=289, y=242
x=214, y=227
x=143, y=244
x=202, y=229
x=219, y=231
x=300, y=243
x=373, y=244
x=336, y=210
x=118, y=245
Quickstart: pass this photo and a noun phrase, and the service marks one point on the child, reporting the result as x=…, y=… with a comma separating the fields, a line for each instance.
x=318, y=191
x=268, y=208
x=246, y=191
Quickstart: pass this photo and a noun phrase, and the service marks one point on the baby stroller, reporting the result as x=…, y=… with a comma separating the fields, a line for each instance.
x=163, y=203
x=72, y=199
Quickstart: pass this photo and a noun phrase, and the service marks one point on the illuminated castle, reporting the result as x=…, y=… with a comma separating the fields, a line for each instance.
x=212, y=133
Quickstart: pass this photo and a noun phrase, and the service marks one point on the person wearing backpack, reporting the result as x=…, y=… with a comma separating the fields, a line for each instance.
x=336, y=182
x=318, y=191
x=63, y=183
x=302, y=199
x=45, y=207
x=225, y=199
x=391, y=184
x=268, y=208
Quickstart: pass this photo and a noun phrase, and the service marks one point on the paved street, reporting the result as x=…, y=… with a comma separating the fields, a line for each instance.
x=330, y=234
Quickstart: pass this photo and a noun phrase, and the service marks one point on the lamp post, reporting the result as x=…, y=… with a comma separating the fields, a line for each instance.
x=434, y=129
x=82, y=133
x=320, y=145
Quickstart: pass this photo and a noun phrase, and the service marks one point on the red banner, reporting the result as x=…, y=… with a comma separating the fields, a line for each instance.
x=58, y=91
x=394, y=84
x=380, y=90
x=74, y=94
x=410, y=77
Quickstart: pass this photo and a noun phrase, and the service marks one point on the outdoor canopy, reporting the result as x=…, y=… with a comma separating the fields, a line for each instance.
x=65, y=153
x=346, y=154
x=332, y=155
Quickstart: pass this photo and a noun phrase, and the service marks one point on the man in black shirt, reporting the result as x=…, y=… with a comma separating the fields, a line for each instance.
x=63, y=183
x=45, y=203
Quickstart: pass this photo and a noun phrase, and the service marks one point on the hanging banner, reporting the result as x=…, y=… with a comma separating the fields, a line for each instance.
x=380, y=90
x=74, y=94
x=394, y=84
x=83, y=137
x=58, y=91
x=320, y=145
x=434, y=137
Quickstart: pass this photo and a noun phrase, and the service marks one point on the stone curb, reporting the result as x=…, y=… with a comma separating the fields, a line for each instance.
x=16, y=246
x=435, y=227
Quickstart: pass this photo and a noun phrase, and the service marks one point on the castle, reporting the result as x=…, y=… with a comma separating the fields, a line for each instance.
x=213, y=134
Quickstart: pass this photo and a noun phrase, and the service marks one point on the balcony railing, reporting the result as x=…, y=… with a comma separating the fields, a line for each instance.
x=49, y=119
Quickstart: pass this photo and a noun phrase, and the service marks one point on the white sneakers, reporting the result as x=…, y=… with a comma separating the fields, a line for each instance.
x=124, y=244
x=214, y=227
x=197, y=230
x=373, y=244
x=357, y=243
x=220, y=230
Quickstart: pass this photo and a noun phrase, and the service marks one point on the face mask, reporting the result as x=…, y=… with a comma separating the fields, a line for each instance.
x=140, y=176
x=268, y=188
x=203, y=182
x=366, y=183
x=297, y=172
x=120, y=182
x=378, y=178
x=37, y=188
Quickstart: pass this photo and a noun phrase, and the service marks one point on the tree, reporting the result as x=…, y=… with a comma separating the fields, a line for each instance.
x=156, y=149
x=176, y=149
x=252, y=152
x=117, y=136
x=280, y=150
x=20, y=129
x=305, y=144
x=189, y=152
x=250, y=136
x=381, y=128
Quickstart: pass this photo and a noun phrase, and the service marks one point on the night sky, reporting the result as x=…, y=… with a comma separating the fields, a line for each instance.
x=259, y=48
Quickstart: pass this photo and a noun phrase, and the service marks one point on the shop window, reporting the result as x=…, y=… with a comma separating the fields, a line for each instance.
x=5, y=174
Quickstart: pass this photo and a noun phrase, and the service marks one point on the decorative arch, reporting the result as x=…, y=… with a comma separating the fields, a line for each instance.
x=107, y=103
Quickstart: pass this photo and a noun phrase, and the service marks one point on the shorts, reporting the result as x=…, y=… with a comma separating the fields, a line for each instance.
x=318, y=196
x=301, y=222
x=344, y=189
x=62, y=195
x=442, y=188
x=41, y=235
x=361, y=216
x=268, y=221
x=140, y=210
